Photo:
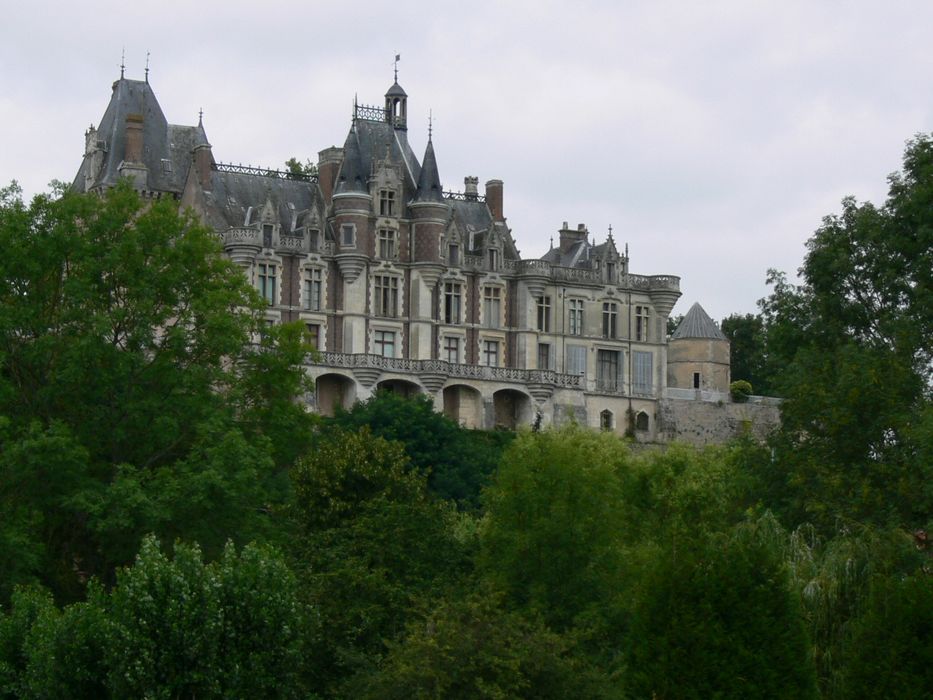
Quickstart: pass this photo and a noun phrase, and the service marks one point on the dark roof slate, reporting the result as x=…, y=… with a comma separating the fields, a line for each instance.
x=697, y=324
x=429, y=181
x=166, y=147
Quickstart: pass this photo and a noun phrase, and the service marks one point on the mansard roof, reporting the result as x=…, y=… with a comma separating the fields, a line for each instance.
x=233, y=194
x=167, y=147
x=698, y=324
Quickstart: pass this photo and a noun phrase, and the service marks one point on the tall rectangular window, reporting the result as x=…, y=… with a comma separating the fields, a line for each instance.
x=267, y=235
x=641, y=323
x=453, y=254
x=384, y=343
x=575, y=325
x=610, y=318
x=267, y=282
x=313, y=335
x=314, y=239
x=544, y=314
x=490, y=353
x=641, y=372
x=313, y=289
x=452, y=302
x=493, y=259
x=452, y=349
x=492, y=307
x=347, y=235
x=388, y=249
x=608, y=374
x=544, y=356
x=386, y=295
x=386, y=203
x=575, y=359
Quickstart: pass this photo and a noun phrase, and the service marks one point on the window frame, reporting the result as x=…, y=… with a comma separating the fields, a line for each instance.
x=543, y=316
x=386, y=297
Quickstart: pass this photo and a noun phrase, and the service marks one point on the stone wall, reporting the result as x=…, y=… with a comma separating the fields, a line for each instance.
x=714, y=422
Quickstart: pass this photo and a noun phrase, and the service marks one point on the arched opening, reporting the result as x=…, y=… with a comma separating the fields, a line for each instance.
x=606, y=420
x=333, y=391
x=641, y=421
x=511, y=408
x=400, y=387
x=463, y=404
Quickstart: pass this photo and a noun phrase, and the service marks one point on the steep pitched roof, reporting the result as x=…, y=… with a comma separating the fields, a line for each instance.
x=698, y=324
x=429, y=182
x=167, y=147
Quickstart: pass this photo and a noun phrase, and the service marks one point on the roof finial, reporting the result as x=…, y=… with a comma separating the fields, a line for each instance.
x=122, y=62
x=200, y=116
x=398, y=57
x=610, y=232
x=147, y=66
x=430, y=123
x=552, y=242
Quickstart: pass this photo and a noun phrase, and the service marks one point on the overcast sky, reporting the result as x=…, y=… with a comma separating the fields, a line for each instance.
x=712, y=136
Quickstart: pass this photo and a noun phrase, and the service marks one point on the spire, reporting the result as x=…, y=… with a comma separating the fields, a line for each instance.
x=350, y=178
x=429, y=182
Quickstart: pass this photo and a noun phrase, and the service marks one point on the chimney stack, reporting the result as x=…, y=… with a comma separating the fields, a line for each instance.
x=570, y=237
x=471, y=187
x=328, y=165
x=134, y=139
x=203, y=160
x=494, y=199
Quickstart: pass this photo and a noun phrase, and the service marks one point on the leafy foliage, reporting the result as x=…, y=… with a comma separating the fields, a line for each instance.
x=131, y=396
x=457, y=462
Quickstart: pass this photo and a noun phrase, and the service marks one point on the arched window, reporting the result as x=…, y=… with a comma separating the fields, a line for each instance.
x=605, y=420
x=641, y=421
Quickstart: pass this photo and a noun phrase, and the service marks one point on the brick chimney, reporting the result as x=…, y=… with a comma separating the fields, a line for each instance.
x=494, y=199
x=203, y=159
x=134, y=139
x=328, y=166
x=569, y=236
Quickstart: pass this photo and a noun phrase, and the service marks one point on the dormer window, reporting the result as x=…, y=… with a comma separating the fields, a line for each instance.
x=267, y=235
x=610, y=272
x=314, y=239
x=453, y=254
x=493, y=259
x=386, y=203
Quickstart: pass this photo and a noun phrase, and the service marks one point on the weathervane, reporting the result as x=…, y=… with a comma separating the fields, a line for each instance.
x=398, y=57
x=122, y=62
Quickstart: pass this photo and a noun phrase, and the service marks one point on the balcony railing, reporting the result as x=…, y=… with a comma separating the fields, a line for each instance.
x=263, y=172
x=450, y=369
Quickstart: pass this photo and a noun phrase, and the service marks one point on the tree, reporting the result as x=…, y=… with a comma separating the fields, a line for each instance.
x=301, y=170
x=718, y=619
x=172, y=627
x=126, y=360
x=850, y=349
x=477, y=648
x=747, y=350
x=554, y=515
x=376, y=544
x=456, y=461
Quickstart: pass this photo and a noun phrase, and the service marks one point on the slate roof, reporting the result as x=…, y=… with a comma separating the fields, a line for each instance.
x=697, y=324
x=232, y=194
x=369, y=140
x=429, y=181
x=166, y=147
